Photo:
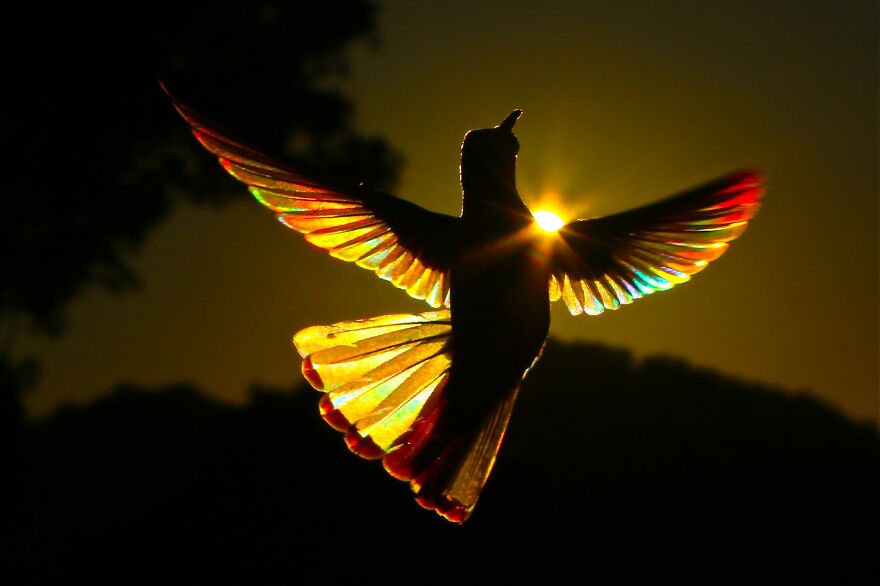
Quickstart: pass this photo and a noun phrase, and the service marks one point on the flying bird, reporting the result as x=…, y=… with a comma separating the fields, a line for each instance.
x=431, y=394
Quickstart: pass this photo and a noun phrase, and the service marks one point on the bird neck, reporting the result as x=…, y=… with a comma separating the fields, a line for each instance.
x=490, y=191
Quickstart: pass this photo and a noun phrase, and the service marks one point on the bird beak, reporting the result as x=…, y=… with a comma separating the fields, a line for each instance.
x=510, y=120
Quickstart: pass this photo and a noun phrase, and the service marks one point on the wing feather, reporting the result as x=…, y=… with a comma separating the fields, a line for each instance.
x=603, y=263
x=401, y=242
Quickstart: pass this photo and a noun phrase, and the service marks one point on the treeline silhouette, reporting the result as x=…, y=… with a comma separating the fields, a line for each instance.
x=612, y=468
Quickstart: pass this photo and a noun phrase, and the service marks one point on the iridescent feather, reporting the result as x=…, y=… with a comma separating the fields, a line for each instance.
x=351, y=222
x=383, y=380
x=607, y=262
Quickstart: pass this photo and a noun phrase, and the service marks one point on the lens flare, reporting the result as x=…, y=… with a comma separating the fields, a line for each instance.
x=548, y=221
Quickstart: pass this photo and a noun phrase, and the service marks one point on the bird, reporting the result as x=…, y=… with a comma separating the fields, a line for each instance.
x=431, y=394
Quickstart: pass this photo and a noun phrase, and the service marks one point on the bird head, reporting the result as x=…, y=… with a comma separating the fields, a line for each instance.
x=490, y=153
x=489, y=144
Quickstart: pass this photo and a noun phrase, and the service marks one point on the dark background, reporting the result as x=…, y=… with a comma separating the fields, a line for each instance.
x=654, y=470
x=618, y=462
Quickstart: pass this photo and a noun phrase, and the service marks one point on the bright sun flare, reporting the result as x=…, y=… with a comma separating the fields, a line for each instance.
x=548, y=221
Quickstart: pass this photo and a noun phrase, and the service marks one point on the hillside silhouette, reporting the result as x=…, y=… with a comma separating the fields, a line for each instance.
x=612, y=468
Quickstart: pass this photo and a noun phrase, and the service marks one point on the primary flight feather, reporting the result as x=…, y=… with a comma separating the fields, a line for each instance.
x=431, y=394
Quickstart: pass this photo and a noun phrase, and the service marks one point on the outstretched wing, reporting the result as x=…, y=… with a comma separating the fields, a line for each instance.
x=400, y=241
x=607, y=262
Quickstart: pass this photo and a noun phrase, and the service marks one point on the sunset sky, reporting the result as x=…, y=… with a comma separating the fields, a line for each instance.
x=623, y=105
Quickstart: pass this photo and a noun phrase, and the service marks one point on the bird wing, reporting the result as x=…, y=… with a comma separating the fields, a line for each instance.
x=398, y=240
x=603, y=263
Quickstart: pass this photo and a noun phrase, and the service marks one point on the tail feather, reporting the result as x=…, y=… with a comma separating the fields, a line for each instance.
x=452, y=481
x=384, y=380
x=480, y=457
x=378, y=374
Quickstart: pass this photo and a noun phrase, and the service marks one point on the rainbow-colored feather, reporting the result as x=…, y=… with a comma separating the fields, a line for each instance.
x=376, y=231
x=607, y=262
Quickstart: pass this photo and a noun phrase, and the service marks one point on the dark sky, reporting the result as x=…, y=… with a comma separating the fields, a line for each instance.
x=623, y=105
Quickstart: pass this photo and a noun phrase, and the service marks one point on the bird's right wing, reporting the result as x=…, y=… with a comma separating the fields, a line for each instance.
x=606, y=262
x=401, y=242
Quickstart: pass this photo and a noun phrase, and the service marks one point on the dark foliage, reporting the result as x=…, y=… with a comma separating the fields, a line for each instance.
x=612, y=469
x=97, y=157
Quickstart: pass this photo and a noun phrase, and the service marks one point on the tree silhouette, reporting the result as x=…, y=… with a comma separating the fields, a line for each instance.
x=99, y=157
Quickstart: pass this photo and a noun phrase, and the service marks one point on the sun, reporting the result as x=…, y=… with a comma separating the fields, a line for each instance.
x=548, y=221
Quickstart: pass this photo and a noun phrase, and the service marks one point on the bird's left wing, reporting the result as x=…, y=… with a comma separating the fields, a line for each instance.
x=398, y=240
x=606, y=262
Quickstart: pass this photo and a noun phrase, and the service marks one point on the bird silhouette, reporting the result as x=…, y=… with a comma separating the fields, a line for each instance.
x=431, y=394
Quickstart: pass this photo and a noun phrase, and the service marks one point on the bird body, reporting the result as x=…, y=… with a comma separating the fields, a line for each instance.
x=502, y=307
x=431, y=394
x=501, y=314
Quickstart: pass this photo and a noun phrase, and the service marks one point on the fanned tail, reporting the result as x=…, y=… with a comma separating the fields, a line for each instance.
x=386, y=380
x=447, y=465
